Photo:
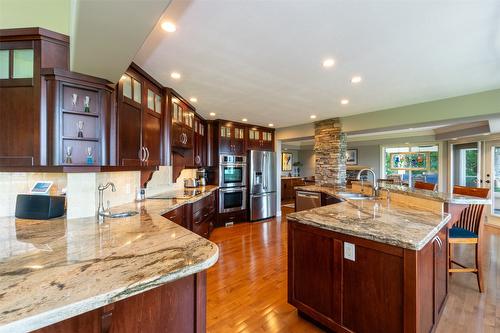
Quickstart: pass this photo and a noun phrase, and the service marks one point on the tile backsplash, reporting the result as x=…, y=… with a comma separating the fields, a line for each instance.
x=81, y=188
x=14, y=183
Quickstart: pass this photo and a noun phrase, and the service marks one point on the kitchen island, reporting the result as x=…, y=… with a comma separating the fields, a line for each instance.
x=139, y=273
x=368, y=265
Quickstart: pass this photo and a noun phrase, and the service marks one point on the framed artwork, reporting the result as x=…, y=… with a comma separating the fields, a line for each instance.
x=410, y=161
x=351, y=157
x=286, y=161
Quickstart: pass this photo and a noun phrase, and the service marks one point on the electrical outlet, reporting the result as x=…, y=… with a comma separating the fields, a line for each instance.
x=349, y=251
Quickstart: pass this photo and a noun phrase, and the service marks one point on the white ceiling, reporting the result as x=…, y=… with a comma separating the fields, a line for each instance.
x=262, y=60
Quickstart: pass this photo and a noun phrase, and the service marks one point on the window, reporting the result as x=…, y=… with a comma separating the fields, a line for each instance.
x=22, y=64
x=468, y=173
x=408, y=176
x=4, y=64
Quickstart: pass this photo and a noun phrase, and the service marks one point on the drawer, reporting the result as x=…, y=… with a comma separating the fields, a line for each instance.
x=202, y=228
x=208, y=201
x=203, y=214
x=177, y=216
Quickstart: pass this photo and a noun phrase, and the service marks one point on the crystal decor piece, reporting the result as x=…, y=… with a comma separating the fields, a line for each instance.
x=74, y=100
x=79, y=125
x=86, y=104
x=67, y=158
x=90, y=157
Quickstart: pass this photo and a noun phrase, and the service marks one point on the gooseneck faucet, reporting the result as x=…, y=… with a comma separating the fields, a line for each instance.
x=375, y=182
x=100, y=210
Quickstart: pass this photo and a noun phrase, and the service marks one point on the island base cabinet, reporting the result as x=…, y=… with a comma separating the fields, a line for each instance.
x=384, y=289
x=178, y=306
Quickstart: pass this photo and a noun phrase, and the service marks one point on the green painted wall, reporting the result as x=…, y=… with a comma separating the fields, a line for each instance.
x=473, y=105
x=49, y=14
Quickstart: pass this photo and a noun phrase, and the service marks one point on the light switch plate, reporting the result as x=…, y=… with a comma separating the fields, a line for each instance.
x=349, y=251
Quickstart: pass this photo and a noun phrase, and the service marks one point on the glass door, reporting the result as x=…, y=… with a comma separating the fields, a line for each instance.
x=492, y=175
x=466, y=164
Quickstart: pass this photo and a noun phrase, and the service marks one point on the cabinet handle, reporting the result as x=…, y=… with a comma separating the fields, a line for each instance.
x=147, y=153
x=141, y=154
x=438, y=240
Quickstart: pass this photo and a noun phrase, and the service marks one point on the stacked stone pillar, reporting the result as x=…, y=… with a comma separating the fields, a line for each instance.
x=330, y=150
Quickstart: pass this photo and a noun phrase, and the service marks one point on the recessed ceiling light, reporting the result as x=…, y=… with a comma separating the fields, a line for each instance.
x=454, y=138
x=175, y=75
x=168, y=26
x=328, y=62
x=344, y=101
x=407, y=143
x=244, y=119
x=313, y=116
x=356, y=79
x=212, y=114
x=193, y=99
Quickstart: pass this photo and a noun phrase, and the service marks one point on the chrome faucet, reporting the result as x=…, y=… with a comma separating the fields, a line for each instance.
x=375, y=182
x=100, y=210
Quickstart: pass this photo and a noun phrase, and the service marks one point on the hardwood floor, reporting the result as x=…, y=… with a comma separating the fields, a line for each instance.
x=247, y=287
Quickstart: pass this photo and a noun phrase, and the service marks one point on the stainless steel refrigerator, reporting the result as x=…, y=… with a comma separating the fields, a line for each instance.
x=262, y=184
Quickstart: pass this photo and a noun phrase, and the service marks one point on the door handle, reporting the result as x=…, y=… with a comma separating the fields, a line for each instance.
x=487, y=181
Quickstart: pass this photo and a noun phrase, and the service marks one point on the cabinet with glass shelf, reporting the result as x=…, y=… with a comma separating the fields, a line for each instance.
x=23, y=53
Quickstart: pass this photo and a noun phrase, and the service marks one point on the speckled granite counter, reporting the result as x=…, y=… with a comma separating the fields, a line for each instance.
x=376, y=220
x=437, y=196
x=417, y=193
x=56, y=269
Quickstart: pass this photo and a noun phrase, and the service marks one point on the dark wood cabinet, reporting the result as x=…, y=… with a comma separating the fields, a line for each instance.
x=204, y=215
x=78, y=118
x=25, y=52
x=178, y=306
x=385, y=289
x=199, y=142
x=288, y=187
x=178, y=216
x=139, y=119
x=232, y=138
x=260, y=138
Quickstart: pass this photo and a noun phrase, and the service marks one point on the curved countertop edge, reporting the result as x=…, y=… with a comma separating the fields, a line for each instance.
x=56, y=315
x=394, y=242
x=52, y=316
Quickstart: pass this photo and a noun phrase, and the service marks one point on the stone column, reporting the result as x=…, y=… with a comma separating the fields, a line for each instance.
x=330, y=150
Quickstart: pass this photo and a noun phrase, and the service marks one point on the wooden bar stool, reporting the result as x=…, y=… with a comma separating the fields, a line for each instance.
x=468, y=230
x=425, y=186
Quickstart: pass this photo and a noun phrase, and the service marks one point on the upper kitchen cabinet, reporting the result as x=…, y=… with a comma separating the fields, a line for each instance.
x=182, y=114
x=23, y=53
x=78, y=118
x=260, y=138
x=232, y=138
x=139, y=119
x=200, y=142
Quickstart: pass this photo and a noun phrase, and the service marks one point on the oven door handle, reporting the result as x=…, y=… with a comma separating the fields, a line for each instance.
x=231, y=190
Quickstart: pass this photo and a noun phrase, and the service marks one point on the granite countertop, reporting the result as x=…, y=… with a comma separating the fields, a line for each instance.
x=377, y=220
x=401, y=189
x=56, y=269
x=451, y=198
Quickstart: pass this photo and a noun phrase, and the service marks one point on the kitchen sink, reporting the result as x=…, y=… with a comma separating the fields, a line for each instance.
x=355, y=196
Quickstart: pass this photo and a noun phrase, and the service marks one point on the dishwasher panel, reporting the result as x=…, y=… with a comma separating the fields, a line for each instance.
x=307, y=200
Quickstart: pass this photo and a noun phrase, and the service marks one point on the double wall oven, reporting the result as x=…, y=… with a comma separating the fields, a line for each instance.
x=232, y=183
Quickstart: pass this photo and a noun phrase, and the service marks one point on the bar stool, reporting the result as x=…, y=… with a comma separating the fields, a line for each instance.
x=425, y=186
x=468, y=230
